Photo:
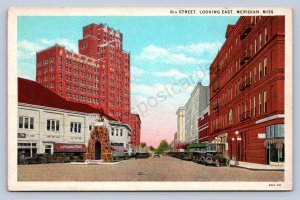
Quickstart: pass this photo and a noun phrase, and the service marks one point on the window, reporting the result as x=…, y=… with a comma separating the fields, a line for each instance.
x=275, y=131
x=259, y=103
x=255, y=46
x=117, y=132
x=230, y=116
x=254, y=71
x=259, y=71
x=112, y=131
x=265, y=101
x=259, y=44
x=26, y=122
x=250, y=107
x=266, y=35
x=121, y=132
x=265, y=66
x=75, y=127
x=48, y=149
x=90, y=127
x=52, y=125
x=254, y=106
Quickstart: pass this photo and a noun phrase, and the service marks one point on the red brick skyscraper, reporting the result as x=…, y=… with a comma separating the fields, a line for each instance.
x=99, y=75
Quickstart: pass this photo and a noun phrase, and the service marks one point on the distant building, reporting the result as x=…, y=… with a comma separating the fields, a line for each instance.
x=48, y=123
x=198, y=101
x=203, y=129
x=135, y=125
x=180, y=134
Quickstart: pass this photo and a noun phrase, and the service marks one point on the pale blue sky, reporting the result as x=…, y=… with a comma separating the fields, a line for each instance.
x=164, y=50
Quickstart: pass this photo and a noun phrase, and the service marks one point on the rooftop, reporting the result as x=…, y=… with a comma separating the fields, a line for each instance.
x=30, y=92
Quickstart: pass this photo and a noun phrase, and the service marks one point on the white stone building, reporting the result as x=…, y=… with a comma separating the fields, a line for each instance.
x=180, y=134
x=198, y=101
x=45, y=119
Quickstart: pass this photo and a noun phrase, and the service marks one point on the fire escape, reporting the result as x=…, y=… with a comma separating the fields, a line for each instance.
x=248, y=26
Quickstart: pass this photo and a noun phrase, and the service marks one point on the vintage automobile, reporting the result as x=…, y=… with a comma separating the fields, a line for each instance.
x=209, y=154
x=138, y=155
x=120, y=155
x=36, y=159
x=204, y=153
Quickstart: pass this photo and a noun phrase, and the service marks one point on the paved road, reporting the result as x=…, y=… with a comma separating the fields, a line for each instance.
x=153, y=169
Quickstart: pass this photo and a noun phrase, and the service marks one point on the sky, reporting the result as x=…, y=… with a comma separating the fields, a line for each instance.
x=169, y=55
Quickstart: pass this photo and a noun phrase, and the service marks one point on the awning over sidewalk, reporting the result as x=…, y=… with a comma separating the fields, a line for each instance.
x=278, y=142
x=61, y=147
x=118, y=148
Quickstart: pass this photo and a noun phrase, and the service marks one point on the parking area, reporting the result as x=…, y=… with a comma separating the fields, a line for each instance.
x=164, y=168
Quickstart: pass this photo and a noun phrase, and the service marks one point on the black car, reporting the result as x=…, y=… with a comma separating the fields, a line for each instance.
x=36, y=159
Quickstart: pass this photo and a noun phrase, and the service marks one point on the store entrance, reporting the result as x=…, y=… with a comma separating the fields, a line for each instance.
x=97, y=151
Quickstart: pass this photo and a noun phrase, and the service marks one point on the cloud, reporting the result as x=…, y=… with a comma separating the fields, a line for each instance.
x=174, y=73
x=191, y=54
x=200, y=48
x=137, y=71
x=154, y=53
x=63, y=41
x=26, y=75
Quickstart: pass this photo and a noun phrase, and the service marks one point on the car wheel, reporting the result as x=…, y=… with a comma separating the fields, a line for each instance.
x=209, y=160
x=202, y=160
x=43, y=161
x=25, y=162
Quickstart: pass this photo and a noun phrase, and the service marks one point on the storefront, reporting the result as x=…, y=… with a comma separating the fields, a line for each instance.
x=274, y=143
x=28, y=149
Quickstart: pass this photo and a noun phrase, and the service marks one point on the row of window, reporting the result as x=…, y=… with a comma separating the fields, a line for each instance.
x=244, y=82
x=247, y=109
x=116, y=132
x=250, y=50
x=52, y=125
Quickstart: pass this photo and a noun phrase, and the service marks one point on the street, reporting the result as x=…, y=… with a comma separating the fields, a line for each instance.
x=164, y=168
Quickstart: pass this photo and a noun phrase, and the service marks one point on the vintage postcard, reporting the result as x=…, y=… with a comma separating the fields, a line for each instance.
x=149, y=99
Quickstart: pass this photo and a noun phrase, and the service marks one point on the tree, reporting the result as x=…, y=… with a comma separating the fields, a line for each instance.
x=162, y=147
x=143, y=145
x=151, y=148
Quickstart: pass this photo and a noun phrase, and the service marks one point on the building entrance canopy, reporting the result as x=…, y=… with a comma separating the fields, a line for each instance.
x=61, y=147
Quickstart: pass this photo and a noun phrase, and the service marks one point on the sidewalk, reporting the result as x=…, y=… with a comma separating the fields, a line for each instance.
x=255, y=166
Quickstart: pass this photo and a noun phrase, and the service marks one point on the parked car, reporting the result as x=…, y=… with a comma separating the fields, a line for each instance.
x=36, y=159
x=204, y=153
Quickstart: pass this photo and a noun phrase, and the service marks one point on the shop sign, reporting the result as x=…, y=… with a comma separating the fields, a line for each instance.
x=21, y=135
x=60, y=147
x=261, y=136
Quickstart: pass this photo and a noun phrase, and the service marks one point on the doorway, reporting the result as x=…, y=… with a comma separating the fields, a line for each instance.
x=97, y=151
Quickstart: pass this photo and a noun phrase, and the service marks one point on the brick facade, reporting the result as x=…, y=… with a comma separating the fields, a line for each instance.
x=247, y=89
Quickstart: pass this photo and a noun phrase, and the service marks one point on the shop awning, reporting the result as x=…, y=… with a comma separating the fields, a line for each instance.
x=61, y=147
x=278, y=142
x=118, y=148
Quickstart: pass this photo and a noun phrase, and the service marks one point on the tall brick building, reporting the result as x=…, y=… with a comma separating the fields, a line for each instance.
x=247, y=90
x=98, y=76
x=135, y=124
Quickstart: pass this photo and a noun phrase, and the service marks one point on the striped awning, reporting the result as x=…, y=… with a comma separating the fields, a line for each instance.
x=278, y=142
x=118, y=148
